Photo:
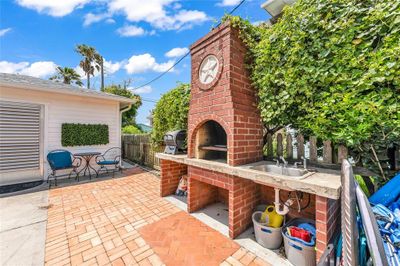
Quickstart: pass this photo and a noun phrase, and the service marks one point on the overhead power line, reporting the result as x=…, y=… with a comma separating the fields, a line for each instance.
x=184, y=56
x=149, y=100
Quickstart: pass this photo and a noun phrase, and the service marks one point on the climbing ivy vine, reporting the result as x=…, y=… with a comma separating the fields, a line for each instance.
x=331, y=68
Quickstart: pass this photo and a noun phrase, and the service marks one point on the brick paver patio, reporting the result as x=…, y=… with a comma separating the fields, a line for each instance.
x=98, y=223
x=181, y=239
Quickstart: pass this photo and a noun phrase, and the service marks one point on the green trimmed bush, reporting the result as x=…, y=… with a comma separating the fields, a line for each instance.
x=171, y=112
x=84, y=134
x=131, y=129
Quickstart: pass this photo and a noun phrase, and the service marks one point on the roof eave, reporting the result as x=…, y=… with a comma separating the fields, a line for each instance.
x=116, y=98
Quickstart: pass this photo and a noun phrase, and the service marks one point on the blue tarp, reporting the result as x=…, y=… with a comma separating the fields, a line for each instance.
x=389, y=226
x=387, y=213
x=388, y=193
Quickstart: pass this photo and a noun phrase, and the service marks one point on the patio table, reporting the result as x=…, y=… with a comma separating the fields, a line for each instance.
x=87, y=156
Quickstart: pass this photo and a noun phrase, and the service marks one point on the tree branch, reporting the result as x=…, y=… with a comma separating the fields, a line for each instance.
x=377, y=161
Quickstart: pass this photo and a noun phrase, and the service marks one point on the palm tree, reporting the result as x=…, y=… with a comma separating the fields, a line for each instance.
x=67, y=75
x=90, y=60
x=100, y=60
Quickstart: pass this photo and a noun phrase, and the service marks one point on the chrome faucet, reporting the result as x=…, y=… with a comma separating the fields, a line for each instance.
x=285, y=163
x=304, y=162
x=296, y=164
x=277, y=161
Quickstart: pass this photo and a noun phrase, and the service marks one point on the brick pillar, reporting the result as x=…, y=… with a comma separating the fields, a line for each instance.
x=200, y=195
x=171, y=172
x=243, y=198
x=327, y=220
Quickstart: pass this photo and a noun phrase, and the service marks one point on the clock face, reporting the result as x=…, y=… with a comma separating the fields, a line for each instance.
x=208, y=69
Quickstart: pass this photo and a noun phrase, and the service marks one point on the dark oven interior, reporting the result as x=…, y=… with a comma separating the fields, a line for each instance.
x=211, y=142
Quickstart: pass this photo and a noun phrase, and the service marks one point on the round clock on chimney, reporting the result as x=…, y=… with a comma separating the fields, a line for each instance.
x=209, y=71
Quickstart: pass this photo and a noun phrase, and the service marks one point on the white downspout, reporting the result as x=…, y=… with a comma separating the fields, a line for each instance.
x=121, y=111
x=125, y=110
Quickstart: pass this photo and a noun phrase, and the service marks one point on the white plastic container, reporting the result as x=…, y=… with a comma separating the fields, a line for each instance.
x=297, y=253
x=266, y=236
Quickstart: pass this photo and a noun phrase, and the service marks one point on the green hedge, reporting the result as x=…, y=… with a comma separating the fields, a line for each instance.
x=83, y=134
x=131, y=129
x=171, y=112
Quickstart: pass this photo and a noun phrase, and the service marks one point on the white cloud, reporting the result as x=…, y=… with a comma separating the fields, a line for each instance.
x=110, y=67
x=176, y=6
x=130, y=31
x=56, y=8
x=155, y=13
x=38, y=69
x=177, y=52
x=146, y=62
x=193, y=16
x=142, y=90
x=4, y=31
x=137, y=10
x=9, y=67
x=161, y=14
x=110, y=21
x=229, y=2
x=80, y=72
x=91, y=18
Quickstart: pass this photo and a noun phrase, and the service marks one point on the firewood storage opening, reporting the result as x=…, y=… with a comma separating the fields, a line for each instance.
x=211, y=142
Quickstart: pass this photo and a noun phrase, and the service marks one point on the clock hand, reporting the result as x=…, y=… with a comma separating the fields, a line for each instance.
x=212, y=67
x=208, y=74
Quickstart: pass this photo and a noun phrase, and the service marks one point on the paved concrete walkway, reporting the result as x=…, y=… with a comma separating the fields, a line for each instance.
x=23, y=221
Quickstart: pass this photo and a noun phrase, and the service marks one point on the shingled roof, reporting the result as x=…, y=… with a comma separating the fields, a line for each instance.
x=28, y=82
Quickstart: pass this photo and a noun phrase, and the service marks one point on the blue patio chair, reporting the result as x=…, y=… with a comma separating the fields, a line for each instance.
x=110, y=158
x=62, y=160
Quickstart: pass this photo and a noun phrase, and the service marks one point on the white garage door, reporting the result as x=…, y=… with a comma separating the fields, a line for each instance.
x=20, y=142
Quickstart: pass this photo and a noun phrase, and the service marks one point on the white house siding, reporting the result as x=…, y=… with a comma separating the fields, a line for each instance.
x=61, y=108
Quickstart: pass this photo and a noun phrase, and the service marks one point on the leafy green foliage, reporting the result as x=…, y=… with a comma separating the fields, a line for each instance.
x=171, y=112
x=131, y=129
x=331, y=68
x=128, y=117
x=83, y=134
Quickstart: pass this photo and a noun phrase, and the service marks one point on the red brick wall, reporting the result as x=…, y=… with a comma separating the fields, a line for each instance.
x=200, y=195
x=268, y=197
x=327, y=220
x=243, y=199
x=171, y=172
x=231, y=101
x=207, y=187
x=223, y=196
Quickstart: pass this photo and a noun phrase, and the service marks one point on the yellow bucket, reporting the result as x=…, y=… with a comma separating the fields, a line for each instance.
x=270, y=217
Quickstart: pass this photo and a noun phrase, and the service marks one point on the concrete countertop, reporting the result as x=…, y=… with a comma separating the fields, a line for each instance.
x=323, y=182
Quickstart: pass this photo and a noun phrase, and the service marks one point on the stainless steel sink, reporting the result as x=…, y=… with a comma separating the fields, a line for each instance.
x=288, y=171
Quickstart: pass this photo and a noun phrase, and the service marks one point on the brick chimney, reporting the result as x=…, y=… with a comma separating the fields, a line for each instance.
x=222, y=99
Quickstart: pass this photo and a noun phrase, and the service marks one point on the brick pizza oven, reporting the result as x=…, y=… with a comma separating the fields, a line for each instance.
x=224, y=125
x=224, y=121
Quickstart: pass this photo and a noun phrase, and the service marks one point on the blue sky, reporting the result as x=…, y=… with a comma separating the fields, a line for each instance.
x=139, y=39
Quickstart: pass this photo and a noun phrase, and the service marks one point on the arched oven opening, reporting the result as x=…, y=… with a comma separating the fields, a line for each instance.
x=211, y=142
